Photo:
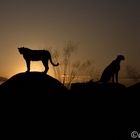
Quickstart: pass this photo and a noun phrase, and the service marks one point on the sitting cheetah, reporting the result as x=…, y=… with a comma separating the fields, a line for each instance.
x=112, y=70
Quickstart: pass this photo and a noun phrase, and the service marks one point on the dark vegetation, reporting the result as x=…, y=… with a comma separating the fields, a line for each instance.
x=69, y=68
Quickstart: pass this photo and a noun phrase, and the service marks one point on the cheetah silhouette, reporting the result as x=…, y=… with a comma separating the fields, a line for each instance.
x=112, y=70
x=36, y=55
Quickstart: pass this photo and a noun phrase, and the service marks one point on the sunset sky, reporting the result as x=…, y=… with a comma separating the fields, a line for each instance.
x=102, y=28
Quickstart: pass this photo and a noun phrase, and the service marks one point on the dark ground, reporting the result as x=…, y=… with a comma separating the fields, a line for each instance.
x=94, y=110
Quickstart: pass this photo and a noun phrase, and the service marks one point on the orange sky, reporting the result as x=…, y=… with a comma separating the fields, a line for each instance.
x=102, y=28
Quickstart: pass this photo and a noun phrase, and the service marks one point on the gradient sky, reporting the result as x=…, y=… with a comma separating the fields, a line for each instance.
x=103, y=29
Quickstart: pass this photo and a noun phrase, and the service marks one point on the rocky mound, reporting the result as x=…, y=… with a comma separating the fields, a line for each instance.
x=32, y=84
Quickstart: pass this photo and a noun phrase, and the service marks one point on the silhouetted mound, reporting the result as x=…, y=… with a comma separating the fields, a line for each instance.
x=32, y=84
x=94, y=88
x=134, y=89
